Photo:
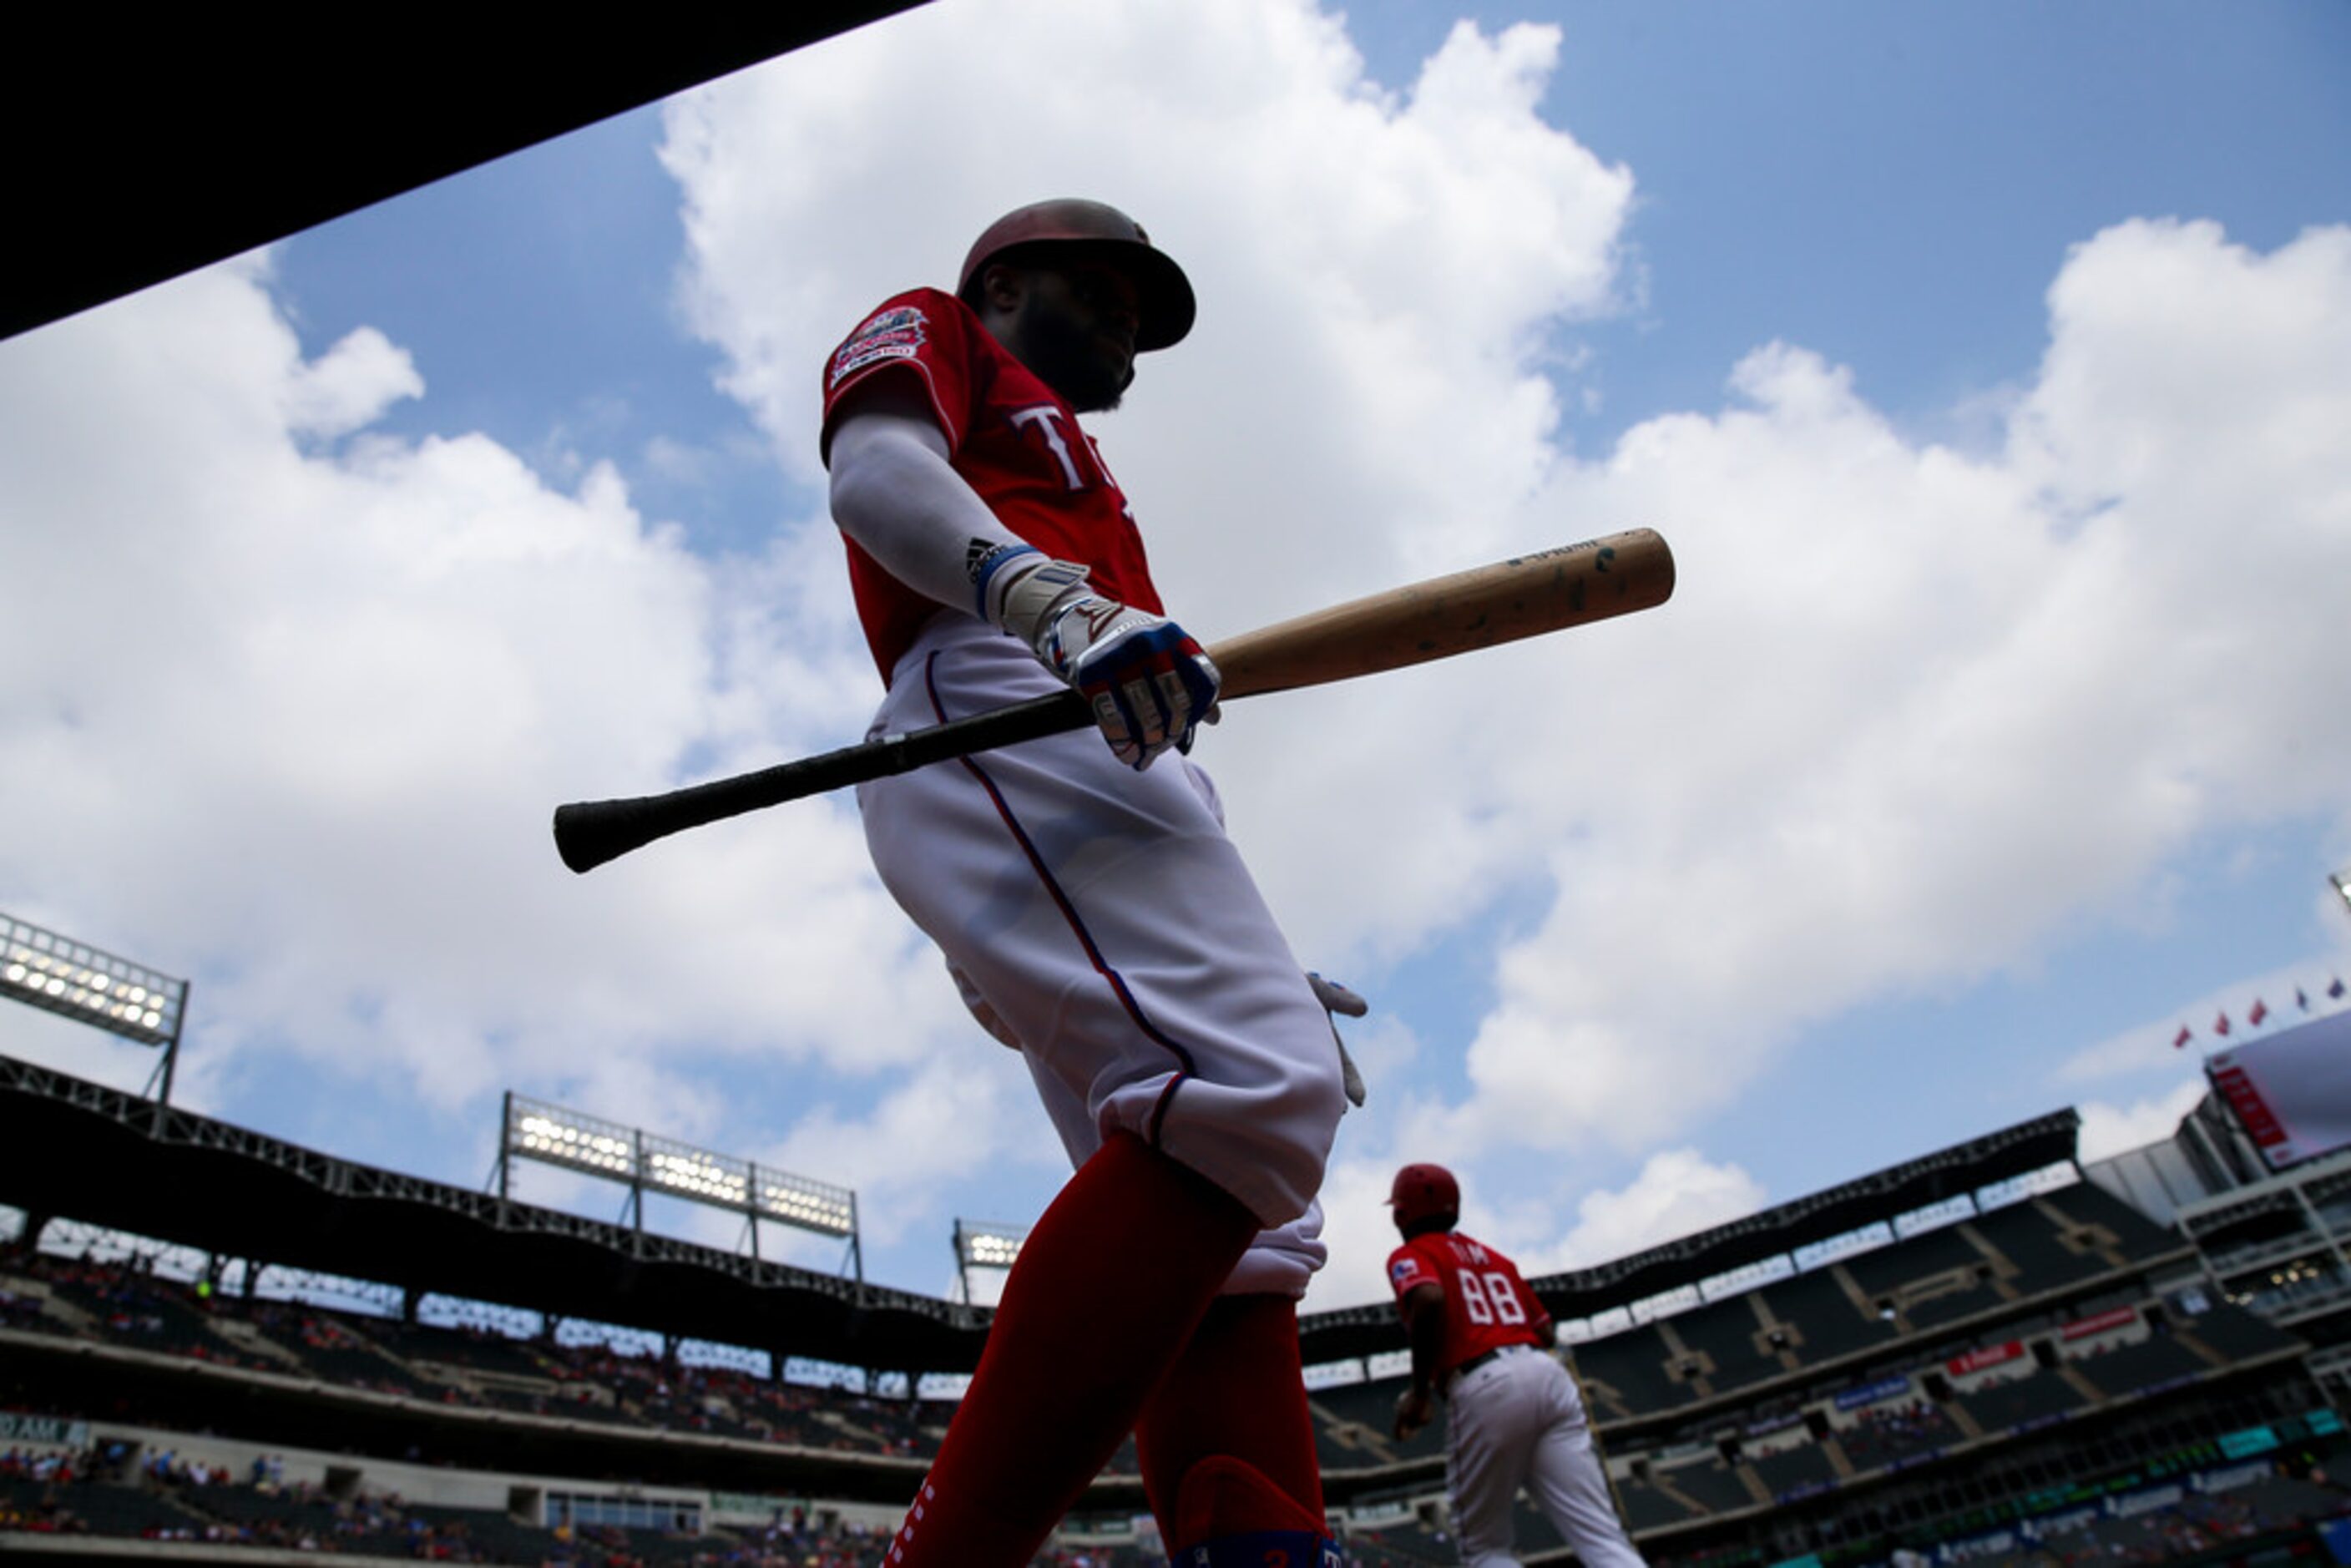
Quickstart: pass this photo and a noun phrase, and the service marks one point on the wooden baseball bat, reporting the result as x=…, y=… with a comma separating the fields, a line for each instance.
x=1459, y=614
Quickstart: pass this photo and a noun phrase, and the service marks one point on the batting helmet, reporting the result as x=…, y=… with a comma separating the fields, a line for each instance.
x=1423, y=1191
x=1106, y=234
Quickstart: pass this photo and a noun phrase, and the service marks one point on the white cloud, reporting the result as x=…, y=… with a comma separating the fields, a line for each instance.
x=1915, y=712
x=1678, y=1192
x=349, y=386
x=2111, y=1129
x=292, y=716
x=970, y=1108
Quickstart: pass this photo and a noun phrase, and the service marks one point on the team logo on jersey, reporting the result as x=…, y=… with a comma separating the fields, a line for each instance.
x=1403, y=1271
x=893, y=334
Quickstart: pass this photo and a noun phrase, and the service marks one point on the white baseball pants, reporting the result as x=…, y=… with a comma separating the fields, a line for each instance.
x=1100, y=920
x=1518, y=1421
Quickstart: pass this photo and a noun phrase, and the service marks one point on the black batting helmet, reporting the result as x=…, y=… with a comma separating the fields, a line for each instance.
x=1161, y=289
x=1423, y=1191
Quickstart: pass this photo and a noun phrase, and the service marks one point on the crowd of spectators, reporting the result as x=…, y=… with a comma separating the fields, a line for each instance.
x=1881, y=1434
x=123, y=1305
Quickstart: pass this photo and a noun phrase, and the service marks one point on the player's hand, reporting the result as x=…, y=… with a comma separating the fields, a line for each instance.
x=1412, y=1409
x=1147, y=681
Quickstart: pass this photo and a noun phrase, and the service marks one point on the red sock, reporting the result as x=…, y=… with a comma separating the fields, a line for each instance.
x=1237, y=1392
x=1107, y=1290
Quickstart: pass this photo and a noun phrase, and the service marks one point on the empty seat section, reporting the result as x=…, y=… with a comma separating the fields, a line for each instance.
x=1633, y=1365
x=1727, y=1333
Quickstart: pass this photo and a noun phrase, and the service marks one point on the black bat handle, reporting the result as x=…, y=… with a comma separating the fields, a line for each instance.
x=590, y=832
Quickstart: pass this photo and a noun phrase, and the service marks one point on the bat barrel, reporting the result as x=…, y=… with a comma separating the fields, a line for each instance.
x=1523, y=597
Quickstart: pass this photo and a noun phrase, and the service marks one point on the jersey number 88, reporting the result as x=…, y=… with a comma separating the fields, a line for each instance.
x=1489, y=1298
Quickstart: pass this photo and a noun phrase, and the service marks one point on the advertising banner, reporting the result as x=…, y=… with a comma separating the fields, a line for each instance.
x=61, y=1429
x=1872, y=1392
x=2100, y=1322
x=2291, y=1091
x=1989, y=1356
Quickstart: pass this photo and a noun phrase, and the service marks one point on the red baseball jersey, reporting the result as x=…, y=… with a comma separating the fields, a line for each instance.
x=1486, y=1305
x=1011, y=437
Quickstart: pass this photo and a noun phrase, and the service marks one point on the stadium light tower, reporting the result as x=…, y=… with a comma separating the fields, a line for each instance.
x=643, y=1163
x=2342, y=880
x=982, y=1246
x=72, y=980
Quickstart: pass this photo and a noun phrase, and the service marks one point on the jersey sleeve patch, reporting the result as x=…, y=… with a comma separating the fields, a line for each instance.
x=1405, y=1271
x=896, y=333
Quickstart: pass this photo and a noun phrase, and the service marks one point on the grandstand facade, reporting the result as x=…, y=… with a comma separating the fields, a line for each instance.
x=1988, y=1353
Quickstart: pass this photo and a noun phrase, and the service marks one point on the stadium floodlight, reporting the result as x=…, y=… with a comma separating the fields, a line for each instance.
x=74, y=980
x=644, y=1163
x=684, y=1171
x=978, y=1245
x=810, y=1205
x=2342, y=880
x=555, y=1136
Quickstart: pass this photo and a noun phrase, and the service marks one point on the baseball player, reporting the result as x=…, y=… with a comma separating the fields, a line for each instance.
x=1513, y=1416
x=1090, y=909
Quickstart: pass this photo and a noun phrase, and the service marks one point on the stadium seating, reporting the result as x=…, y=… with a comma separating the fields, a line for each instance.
x=1727, y=1333
x=1792, y=1471
x=2127, y=1368
x=1646, y=1508
x=2041, y=1396
x=1369, y=1409
x=98, y=1508
x=1887, y=1270
x=1831, y=1325
x=1712, y=1485
x=2026, y=1234
x=1625, y=1375
x=2236, y=1333
x=276, y=1518
x=2137, y=1238
x=1885, y=1436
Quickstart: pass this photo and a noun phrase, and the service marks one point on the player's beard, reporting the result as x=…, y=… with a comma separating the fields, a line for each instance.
x=1067, y=357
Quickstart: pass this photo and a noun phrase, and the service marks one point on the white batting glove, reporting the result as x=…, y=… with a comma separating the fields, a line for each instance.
x=1145, y=678
x=1338, y=1001
x=1336, y=998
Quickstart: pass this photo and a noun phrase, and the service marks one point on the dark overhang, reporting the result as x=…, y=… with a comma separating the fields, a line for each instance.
x=82, y=1151
x=139, y=148
x=78, y=1150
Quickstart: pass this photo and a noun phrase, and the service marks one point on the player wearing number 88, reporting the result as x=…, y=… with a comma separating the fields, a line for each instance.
x=1513, y=1416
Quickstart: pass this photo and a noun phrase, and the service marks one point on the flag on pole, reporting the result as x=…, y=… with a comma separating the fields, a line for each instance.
x=2221, y=1024
x=2261, y=1010
x=2182, y=1038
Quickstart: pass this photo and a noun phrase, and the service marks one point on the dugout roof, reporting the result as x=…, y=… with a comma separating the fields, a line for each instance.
x=140, y=148
x=76, y=1150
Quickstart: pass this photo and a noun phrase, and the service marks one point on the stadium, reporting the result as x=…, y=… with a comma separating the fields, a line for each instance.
x=220, y=1346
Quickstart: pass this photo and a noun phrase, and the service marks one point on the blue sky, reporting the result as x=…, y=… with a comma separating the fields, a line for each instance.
x=1979, y=361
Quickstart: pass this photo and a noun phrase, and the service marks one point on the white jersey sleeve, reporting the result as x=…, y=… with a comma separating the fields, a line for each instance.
x=894, y=492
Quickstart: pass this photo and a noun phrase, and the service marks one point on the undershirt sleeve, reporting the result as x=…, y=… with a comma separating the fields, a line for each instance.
x=896, y=494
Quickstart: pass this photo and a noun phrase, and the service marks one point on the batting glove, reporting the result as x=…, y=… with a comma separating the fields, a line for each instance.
x=1147, y=681
x=1339, y=1001
x=1336, y=998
